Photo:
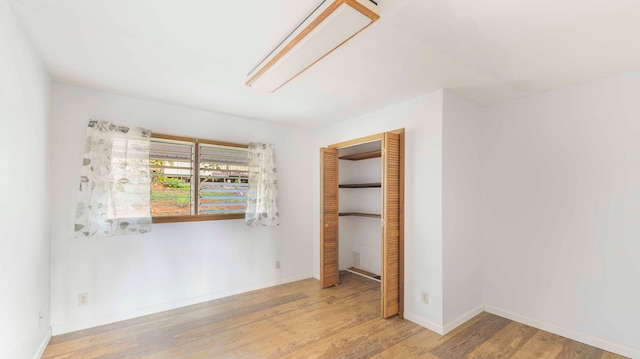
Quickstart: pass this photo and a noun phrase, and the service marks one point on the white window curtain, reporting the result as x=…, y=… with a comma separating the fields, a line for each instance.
x=262, y=195
x=114, y=184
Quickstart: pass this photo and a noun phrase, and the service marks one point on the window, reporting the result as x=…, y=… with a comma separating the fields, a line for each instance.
x=194, y=179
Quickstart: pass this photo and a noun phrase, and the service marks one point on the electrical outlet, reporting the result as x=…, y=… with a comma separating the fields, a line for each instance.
x=425, y=297
x=277, y=264
x=83, y=298
x=356, y=259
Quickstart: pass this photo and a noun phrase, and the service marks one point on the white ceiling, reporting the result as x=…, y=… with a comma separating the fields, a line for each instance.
x=197, y=53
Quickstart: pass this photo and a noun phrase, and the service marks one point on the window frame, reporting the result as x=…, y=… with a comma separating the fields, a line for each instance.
x=196, y=217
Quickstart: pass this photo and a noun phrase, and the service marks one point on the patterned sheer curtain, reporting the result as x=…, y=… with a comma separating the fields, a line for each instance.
x=114, y=183
x=262, y=195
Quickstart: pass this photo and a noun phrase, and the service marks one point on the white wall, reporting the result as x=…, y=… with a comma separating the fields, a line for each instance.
x=25, y=99
x=561, y=211
x=422, y=120
x=176, y=264
x=461, y=224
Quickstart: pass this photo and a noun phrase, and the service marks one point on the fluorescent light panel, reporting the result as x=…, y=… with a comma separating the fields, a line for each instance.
x=329, y=26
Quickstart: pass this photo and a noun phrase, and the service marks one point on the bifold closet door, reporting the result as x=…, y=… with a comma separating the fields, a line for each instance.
x=391, y=167
x=329, y=271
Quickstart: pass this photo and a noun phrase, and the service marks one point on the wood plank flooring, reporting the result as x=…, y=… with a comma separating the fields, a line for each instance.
x=300, y=320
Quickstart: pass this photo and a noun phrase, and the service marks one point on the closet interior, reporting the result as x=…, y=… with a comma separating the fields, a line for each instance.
x=360, y=207
x=362, y=213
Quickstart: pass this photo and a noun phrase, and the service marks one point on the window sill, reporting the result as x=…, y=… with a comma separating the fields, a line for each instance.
x=197, y=218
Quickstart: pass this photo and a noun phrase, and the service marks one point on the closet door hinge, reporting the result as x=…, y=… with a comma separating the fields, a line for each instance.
x=382, y=223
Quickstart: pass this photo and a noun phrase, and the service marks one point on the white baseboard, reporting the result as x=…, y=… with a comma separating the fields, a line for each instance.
x=43, y=345
x=437, y=328
x=581, y=337
x=462, y=319
x=117, y=317
x=442, y=330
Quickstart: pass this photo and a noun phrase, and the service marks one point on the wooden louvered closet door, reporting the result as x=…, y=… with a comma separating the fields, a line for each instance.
x=391, y=202
x=329, y=271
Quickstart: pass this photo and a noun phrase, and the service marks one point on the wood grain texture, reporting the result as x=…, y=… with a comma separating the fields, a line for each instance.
x=362, y=156
x=360, y=214
x=301, y=320
x=400, y=133
x=329, y=217
x=391, y=225
x=197, y=218
x=362, y=185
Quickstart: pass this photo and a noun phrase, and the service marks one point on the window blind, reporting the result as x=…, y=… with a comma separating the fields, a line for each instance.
x=224, y=177
x=172, y=174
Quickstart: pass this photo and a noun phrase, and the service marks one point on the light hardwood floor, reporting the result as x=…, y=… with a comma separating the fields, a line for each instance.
x=300, y=320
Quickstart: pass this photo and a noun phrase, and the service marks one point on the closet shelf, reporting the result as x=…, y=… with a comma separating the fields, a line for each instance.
x=361, y=185
x=362, y=156
x=359, y=214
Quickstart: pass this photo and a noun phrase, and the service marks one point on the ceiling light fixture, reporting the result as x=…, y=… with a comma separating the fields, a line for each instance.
x=330, y=25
